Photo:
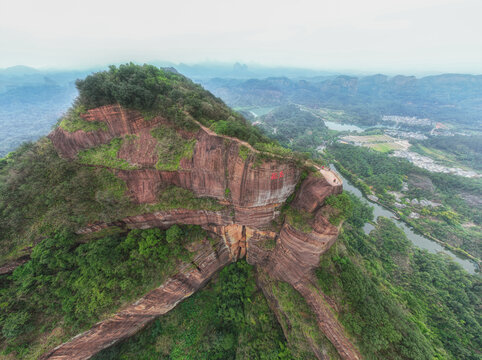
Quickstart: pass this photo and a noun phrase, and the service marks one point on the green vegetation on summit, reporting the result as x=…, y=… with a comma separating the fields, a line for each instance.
x=156, y=91
x=164, y=92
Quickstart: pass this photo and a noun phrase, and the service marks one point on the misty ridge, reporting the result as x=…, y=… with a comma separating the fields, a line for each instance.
x=31, y=100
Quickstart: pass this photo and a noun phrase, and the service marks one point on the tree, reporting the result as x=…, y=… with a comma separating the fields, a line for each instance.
x=173, y=234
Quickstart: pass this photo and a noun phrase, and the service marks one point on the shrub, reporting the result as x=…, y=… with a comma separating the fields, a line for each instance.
x=171, y=148
x=174, y=197
x=105, y=155
x=299, y=219
x=244, y=152
x=15, y=324
x=342, y=205
x=72, y=121
x=173, y=234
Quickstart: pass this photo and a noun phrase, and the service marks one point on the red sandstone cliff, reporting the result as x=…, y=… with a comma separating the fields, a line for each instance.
x=293, y=260
x=214, y=167
x=256, y=192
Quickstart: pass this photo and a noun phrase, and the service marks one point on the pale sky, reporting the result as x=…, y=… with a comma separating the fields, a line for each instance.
x=366, y=35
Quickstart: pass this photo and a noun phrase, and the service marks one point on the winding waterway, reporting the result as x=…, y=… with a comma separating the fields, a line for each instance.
x=417, y=239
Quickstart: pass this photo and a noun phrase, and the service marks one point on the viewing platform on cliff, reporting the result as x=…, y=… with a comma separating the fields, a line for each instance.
x=330, y=176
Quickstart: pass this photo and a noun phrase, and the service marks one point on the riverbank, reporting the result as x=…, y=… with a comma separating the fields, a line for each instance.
x=424, y=241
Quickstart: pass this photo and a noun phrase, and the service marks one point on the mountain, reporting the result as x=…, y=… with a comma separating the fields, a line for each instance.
x=449, y=98
x=294, y=126
x=18, y=70
x=207, y=70
x=151, y=197
x=31, y=101
x=138, y=145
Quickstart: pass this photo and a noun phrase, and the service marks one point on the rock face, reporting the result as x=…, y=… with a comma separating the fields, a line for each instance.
x=315, y=189
x=253, y=192
x=119, y=122
x=254, y=188
x=293, y=260
x=165, y=219
x=297, y=253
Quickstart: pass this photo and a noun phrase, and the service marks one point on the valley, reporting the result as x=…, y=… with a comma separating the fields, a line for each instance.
x=454, y=224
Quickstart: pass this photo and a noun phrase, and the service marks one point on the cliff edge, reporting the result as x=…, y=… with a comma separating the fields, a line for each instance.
x=269, y=204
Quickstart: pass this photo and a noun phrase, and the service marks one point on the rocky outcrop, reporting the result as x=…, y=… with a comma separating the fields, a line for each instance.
x=119, y=122
x=140, y=149
x=165, y=219
x=315, y=189
x=9, y=267
x=142, y=185
x=234, y=237
x=293, y=260
x=290, y=255
x=327, y=321
x=208, y=260
x=238, y=238
x=253, y=187
x=297, y=253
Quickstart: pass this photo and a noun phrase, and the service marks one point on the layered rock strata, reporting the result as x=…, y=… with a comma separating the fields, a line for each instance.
x=293, y=260
x=165, y=219
x=319, y=349
x=253, y=192
x=254, y=188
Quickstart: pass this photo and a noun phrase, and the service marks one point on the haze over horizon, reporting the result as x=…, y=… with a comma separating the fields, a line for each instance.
x=408, y=37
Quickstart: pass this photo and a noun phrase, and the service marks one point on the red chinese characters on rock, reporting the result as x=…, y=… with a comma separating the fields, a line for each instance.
x=276, y=175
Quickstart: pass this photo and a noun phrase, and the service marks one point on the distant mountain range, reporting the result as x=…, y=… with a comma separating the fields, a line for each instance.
x=31, y=100
x=449, y=98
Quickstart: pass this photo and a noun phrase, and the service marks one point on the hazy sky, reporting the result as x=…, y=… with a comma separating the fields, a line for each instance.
x=370, y=35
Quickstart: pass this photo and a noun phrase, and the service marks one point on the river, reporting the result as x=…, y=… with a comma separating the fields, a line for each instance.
x=349, y=127
x=342, y=127
x=419, y=240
